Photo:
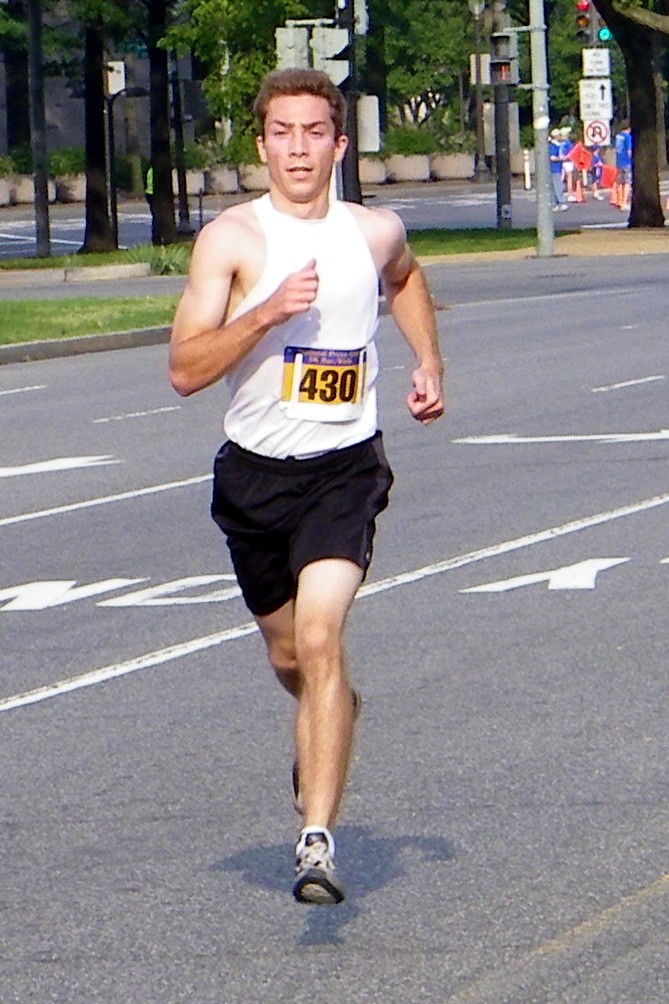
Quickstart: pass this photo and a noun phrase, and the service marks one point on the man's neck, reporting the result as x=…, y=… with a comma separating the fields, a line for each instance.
x=314, y=210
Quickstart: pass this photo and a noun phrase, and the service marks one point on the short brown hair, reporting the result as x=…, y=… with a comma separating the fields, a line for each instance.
x=291, y=82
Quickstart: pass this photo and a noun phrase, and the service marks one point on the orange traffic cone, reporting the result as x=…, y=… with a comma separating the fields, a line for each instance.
x=579, y=195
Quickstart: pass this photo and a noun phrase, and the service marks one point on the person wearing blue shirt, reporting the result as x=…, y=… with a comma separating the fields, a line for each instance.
x=555, y=156
x=624, y=156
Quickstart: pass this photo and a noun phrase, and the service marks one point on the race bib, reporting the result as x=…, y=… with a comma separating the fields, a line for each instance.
x=323, y=385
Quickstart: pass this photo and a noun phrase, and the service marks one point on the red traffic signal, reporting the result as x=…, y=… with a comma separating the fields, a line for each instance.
x=584, y=23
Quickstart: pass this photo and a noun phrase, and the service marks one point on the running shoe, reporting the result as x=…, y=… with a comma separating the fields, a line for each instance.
x=356, y=699
x=315, y=881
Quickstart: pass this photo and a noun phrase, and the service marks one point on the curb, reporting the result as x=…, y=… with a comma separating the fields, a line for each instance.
x=75, y=273
x=26, y=352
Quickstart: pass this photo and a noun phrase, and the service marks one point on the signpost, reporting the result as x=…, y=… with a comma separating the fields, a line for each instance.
x=595, y=98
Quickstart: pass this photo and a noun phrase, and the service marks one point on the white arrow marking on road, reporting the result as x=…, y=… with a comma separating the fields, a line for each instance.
x=161, y=596
x=58, y=464
x=56, y=592
x=611, y=437
x=582, y=575
x=183, y=649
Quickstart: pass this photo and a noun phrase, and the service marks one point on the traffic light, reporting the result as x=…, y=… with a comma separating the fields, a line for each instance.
x=503, y=57
x=584, y=21
x=330, y=52
x=604, y=33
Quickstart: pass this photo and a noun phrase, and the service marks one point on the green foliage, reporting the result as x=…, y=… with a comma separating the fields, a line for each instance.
x=164, y=259
x=425, y=46
x=23, y=159
x=409, y=140
x=69, y=160
x=196, y=157
x=235, y=42
x=7, y=167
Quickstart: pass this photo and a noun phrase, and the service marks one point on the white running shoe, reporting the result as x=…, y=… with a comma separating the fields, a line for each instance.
x=315, y=881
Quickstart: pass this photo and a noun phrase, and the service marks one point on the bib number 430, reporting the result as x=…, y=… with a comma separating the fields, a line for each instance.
x=329, y=385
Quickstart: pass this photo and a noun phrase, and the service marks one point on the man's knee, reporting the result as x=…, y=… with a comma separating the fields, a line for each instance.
x=318, y=647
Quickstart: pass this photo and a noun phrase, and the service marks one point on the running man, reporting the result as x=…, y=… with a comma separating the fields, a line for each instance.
x=282, y=301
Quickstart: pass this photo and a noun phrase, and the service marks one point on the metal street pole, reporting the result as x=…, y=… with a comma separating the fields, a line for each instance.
x=350, y=171
x=38, y=130
x=184, y=227
x=111, y=166
x=541, y=116
x=481, y=168
x=502, y=138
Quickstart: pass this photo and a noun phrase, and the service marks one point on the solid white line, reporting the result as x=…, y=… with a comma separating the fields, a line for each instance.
x=404, y=578
x=124, y=668
x=626, y=383
x=105, y=500
x=22, y=390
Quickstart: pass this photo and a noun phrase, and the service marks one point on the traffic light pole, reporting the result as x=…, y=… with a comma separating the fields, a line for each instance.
x=541, y=117
x=502, y=139
x=350, y=170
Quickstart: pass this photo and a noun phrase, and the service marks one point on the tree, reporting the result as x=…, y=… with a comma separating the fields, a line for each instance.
x=633, y=27
x=234, y=39
x=424, y=47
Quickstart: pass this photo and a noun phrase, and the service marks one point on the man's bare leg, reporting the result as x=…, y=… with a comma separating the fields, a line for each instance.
x=305, y=647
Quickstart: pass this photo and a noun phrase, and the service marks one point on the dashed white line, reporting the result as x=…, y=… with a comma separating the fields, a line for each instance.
x=627, y=383
x=135, y=414
x=22, y=390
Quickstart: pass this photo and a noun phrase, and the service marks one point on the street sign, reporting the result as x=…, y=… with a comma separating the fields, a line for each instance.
x=596, y=62
x=595, y=98
x=597, y=132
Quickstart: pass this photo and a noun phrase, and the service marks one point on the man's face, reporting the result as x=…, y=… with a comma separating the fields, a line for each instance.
x=299, y=146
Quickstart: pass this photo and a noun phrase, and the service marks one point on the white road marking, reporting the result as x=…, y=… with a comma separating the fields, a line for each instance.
x=392, y=582
x=626, y=383
x=162, y=596
x=582, y=575
x=104, y=500
x=57, y=464
x=136, y=414
x=22, y=390
x=56, y=592
x=606, y=437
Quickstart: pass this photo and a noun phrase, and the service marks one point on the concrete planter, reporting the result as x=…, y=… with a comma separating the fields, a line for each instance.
x=22, y=187
x=402, y=168
x=221, y=181
x=194, y=182
x=452, y=165
x=71, y=188
x=253, y=177
x=372, y=171
x=5, y=192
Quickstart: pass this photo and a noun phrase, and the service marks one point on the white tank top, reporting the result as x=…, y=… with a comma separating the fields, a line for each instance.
x=309, y=384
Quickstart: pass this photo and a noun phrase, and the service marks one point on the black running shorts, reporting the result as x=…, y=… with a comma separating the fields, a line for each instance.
x=280, y=515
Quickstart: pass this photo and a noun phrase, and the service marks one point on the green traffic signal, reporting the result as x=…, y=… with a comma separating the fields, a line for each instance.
x=604, y=34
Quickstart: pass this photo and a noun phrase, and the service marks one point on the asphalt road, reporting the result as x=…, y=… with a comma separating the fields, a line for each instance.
x=504, y=838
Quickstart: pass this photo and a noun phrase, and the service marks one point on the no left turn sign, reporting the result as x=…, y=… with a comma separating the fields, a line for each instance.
x=597, y=132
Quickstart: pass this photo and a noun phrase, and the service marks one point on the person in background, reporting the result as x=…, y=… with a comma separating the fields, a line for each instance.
x=596, y=168
x=566, y=146
x=555, y=157
x=624, y=158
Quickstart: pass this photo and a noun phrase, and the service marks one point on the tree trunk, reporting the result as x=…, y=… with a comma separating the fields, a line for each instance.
x=163, y=229
x=98, y=233
x=635, y=44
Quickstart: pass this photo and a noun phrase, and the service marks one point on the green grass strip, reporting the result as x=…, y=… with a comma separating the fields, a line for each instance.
x=35, y=320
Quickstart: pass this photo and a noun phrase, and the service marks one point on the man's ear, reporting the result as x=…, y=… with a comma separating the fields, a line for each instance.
x=260, y=146
x=341, y=146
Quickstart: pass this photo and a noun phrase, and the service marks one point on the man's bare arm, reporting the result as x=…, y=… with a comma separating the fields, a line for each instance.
x=411, y=305
x=203, y=346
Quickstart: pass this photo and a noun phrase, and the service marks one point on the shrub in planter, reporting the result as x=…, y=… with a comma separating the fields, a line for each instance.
x=68, y=161
x=409, y=141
